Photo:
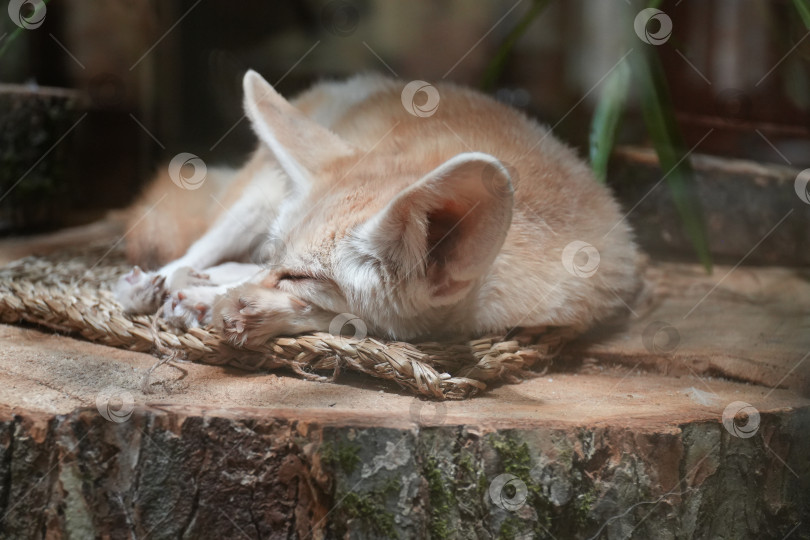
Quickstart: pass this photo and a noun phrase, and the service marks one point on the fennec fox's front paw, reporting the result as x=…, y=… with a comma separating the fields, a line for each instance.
x=249, y=315
x=140, y=292
x=191, y=307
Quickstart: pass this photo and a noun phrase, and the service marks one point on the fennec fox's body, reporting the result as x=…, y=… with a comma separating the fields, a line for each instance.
x=463, y=220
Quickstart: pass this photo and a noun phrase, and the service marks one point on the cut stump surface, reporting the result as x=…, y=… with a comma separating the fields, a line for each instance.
x=698, y=433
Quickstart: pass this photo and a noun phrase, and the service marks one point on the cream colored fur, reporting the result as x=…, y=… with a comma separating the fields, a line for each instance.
x=450, y=224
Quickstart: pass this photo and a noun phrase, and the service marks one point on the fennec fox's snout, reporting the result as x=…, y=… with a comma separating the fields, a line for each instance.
x=464, y=219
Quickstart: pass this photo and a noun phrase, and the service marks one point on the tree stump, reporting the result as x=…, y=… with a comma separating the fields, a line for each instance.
x=688, y=423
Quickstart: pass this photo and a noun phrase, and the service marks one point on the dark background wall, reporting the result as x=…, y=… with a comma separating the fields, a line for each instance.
x=164, y=76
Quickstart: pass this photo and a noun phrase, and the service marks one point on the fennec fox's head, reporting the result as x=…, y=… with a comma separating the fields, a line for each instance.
x=376, y=234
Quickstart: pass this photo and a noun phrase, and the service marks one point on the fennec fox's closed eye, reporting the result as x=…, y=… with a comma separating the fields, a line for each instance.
x=470, y=220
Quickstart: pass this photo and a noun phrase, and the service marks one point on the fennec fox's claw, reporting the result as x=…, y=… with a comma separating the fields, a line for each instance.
x=190, y=308
x=143, y=292
x=140, y=292
x=249, y=315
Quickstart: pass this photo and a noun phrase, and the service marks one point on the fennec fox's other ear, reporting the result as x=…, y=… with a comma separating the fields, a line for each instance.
x=448, y=227
x=300, y=145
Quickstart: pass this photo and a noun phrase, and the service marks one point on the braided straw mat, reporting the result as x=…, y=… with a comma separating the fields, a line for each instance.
x=70, y=292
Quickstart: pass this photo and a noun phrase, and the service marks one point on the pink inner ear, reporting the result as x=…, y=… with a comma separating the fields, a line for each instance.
x=439, y=237
x=446, y=224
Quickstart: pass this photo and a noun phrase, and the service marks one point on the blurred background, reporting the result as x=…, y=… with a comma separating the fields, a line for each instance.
x=97, y=94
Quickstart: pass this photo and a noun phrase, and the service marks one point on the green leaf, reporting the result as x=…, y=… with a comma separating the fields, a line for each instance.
x=803, y=7
x=16, y=34
x=606, y=119
x=11, y=39
x=498, y=64
x=659, y=118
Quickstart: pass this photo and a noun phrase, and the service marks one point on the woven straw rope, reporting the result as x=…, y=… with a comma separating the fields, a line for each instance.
x=70, y=292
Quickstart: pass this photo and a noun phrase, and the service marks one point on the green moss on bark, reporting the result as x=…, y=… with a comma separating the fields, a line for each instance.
x=341, y=455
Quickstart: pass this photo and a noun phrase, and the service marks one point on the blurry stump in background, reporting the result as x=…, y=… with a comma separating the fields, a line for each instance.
x=34, y=158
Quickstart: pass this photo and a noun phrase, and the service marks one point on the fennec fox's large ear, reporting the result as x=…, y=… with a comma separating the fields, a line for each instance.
x=300, y=144
x=448, y=227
